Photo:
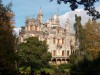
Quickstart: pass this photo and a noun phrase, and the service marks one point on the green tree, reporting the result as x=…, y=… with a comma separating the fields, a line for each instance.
x=80, y=36
x=64, y=68
x=89, y=5
x=7, y=40
x=81, y=47
x=89, y=44
x=34, y=54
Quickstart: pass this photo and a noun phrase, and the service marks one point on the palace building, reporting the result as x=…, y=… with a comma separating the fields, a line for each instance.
x=60, y=40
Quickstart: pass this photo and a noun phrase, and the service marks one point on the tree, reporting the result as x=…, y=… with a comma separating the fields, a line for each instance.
x=34, y=53
x=92, y=30
x=7, y=41
x=80, y=36
x=89, y=43
x=88, y=5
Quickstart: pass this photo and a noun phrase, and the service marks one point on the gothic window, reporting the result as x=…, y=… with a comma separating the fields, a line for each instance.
x=67, y=53
x=62, y=40
x=54, y=40
x=62, y=53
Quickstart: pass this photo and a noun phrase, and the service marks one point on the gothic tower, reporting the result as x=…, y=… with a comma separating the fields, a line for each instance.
x=67, y=27
x=57, y=18
x=40, y=15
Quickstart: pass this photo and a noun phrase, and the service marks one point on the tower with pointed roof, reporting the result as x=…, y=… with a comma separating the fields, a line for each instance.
x=67, y=26
x=57, y=17
x=40, y=15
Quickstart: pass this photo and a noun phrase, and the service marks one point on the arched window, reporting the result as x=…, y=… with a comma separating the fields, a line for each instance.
x=62, y=40
x=67, y=53
x=36, y=28
x=31, y=28
x=62, y=53
x=54, y=40
x=58, y=31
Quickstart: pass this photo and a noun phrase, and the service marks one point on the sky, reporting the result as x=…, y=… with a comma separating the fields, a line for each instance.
x=24, y=8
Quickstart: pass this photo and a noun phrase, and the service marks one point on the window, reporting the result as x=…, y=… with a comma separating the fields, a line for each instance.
x=54, y=40
x=62, y=40
x=58, y=31
x=62, y=53
x=36, y=28
x=68, y=53
x=31, y=28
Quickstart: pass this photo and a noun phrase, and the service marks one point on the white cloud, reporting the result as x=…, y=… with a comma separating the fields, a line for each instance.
x=71, y=16
x=17, y=30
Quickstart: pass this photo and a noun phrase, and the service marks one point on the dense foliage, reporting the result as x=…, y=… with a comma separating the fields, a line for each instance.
x=88, y=49
x=7, y=41
x=92, y=30
x=81, y=43
x=88, y=5
x=33, y=53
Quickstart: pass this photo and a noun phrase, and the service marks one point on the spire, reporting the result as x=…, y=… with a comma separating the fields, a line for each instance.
x=67, y=27
x=27, y=19
x=40, y=15
x=40, y=12
x=52, y=16
x=57, y=17
x=51, y=19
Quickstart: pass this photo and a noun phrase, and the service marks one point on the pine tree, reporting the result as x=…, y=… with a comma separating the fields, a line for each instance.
x=7, y=41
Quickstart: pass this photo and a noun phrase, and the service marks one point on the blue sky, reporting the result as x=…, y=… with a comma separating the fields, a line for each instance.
x=24, y=8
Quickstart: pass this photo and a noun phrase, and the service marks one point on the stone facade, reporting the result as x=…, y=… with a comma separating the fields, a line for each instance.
x=59, y=39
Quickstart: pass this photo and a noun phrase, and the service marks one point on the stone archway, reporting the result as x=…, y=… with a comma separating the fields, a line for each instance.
x=58, y=62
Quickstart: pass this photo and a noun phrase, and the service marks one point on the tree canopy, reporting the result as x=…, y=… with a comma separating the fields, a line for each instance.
x=88, y=5
x=7, y=41
x=92, y=30
x=34, y=53
x=89, y=44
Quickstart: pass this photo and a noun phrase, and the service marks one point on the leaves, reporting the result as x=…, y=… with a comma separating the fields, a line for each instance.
x=7, y=43
x=92, y=30
x=34, y=52
x=88, y=5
